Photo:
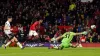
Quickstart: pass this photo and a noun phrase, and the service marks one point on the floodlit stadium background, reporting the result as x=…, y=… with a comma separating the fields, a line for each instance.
x=58, y=15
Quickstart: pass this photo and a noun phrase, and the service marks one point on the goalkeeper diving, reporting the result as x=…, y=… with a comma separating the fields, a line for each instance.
x=66, y=39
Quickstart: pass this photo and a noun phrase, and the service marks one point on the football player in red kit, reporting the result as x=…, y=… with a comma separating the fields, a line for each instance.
x=33, y=29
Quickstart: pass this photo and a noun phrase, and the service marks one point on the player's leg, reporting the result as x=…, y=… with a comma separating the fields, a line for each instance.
x=61, y=46
x=79, y=42
x=56, y=39
x=36, y=36
x=67, y=45
x=30, y=34
x=53, y=47
x=64, y=45
x=29, y=37
x=18, y=43
x=74, y=46
x=9, y=42
x=13, y=38
x=33, y=33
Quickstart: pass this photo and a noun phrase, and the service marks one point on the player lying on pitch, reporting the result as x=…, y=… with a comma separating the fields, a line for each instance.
x=66, y=39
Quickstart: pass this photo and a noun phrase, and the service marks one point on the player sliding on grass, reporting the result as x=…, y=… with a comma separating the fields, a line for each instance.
x=9, y=34
x=67, y=37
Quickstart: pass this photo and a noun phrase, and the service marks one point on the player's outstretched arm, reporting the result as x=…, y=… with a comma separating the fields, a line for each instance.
x=56, y=39
x=85, y=32
x=60, y=37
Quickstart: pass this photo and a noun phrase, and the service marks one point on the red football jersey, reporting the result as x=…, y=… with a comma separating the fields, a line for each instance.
x=34, y=25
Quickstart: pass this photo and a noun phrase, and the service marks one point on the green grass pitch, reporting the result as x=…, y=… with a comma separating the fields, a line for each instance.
x=43, y=51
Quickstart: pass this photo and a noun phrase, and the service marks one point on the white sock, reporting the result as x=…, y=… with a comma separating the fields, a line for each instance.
x=8, y=43
x=80, y=45
x=19, y=45
x=56, y=47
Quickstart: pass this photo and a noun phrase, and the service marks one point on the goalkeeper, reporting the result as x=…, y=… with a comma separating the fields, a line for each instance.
x=66, y=39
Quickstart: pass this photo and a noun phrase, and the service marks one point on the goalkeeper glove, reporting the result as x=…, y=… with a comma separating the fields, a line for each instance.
x=85, y=32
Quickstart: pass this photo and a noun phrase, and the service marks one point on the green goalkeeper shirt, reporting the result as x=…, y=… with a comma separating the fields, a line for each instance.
x=67, y=37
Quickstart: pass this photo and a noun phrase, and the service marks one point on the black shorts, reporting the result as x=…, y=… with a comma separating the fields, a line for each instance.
x=9, y=36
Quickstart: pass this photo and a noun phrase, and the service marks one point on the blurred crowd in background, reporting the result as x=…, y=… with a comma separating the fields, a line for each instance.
x=54, y=13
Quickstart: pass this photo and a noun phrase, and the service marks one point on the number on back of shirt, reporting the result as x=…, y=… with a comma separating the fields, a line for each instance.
x=67, y=35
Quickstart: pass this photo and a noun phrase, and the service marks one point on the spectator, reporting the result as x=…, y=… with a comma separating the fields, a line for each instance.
x=55, y=13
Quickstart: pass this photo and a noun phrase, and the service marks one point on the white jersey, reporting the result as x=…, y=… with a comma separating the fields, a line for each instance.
x=7, y=31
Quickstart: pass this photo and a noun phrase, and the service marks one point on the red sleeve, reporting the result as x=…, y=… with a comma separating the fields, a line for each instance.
x=34, y=25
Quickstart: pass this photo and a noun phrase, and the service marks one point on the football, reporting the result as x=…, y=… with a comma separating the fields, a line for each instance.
x=93, y=26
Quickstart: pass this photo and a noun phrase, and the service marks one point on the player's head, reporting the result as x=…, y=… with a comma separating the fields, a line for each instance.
x=9, y=18
x=41, y=20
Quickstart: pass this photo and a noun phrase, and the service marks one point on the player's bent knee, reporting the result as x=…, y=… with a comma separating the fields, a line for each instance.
x=15, y=39
x=12, y=40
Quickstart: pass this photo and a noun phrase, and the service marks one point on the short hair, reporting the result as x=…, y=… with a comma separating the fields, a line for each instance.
x=8, y=17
